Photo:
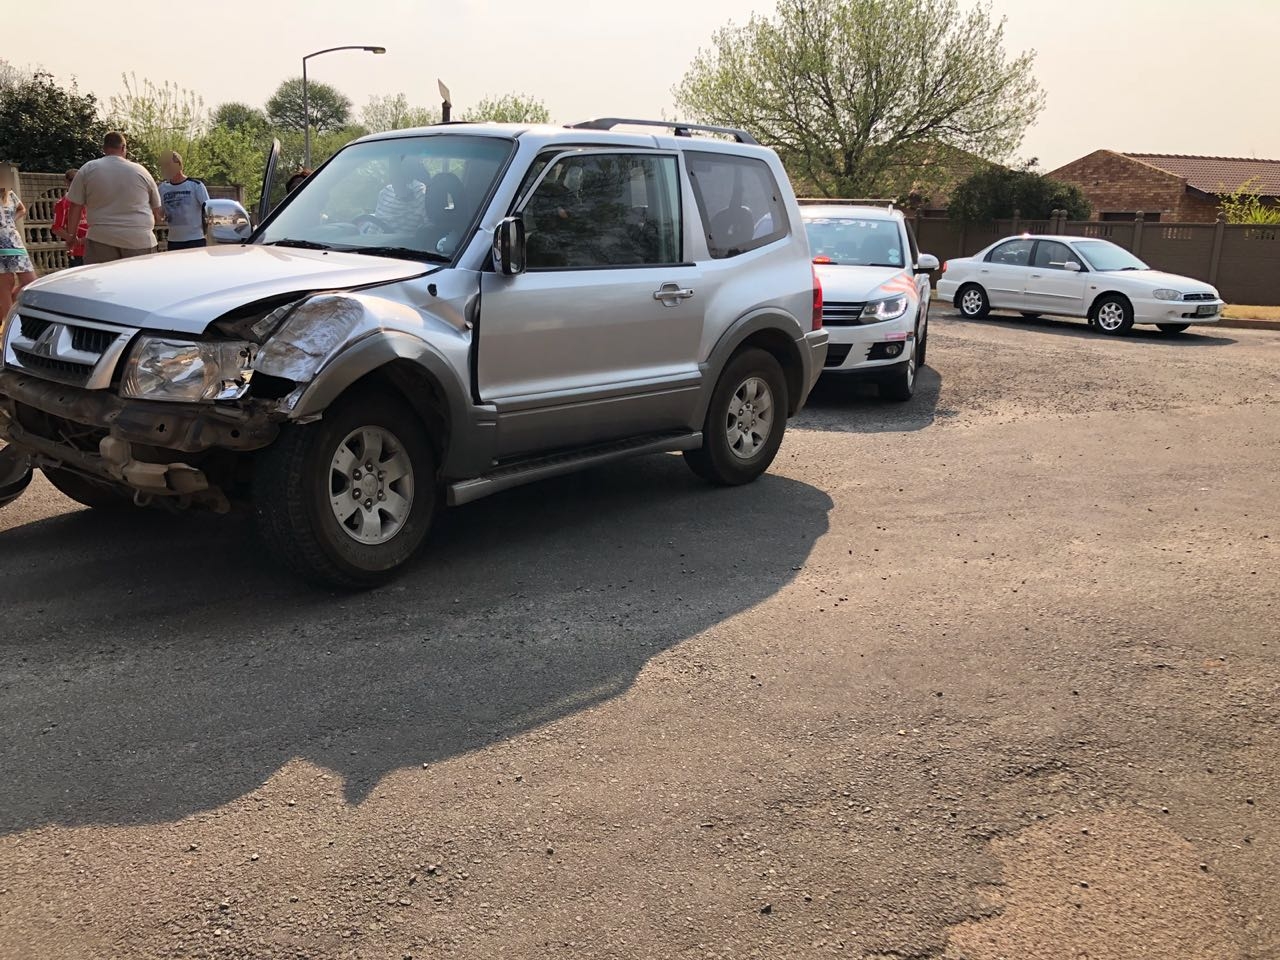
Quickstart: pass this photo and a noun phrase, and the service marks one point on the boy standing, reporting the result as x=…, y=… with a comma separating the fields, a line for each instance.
x=75, y=246
x=183, y=198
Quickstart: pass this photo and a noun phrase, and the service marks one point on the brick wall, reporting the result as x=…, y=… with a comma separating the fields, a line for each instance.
x=1117, y=184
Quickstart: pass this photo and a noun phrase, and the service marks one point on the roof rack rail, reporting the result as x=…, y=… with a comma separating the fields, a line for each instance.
x=681, y=129
x=847, y=202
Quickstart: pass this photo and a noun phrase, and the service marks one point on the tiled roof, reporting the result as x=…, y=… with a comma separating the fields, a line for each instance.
x=1217, y=174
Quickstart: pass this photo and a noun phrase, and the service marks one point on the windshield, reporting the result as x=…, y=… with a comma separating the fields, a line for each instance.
x=415, y=197
x=855, y=242
x=1103, y=256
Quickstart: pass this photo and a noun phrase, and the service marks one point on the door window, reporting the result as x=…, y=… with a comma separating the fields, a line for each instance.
x=1012, y=253
x=1052, y=255
x=605, y=210
x=739, y=201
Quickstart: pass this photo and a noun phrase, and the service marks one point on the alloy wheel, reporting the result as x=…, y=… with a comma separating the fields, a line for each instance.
x=371, y=485
x=750, y=419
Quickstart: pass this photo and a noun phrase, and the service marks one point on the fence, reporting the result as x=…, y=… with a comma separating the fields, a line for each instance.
x=41, y=191
x=1242, y=261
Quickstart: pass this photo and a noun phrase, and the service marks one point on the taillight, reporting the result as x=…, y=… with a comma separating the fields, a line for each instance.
x=817, y=301
x=944, y=265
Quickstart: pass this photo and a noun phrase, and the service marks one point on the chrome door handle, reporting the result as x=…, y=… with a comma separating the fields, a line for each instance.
x=669, y=294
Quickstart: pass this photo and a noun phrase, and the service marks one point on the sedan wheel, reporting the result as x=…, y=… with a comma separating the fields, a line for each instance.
x=1114, y=316
x=974, y=304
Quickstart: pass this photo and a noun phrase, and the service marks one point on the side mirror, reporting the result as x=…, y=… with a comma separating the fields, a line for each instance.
x=926, y=263
x=509, y=247
x=1072, y=266
x=226, y=222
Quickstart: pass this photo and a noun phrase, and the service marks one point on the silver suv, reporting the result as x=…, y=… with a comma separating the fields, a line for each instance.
x=436, y=315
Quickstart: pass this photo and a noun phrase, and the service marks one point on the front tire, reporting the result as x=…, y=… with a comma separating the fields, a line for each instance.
x=973, y=302
x=901, y=386
x=1113, y=315
x=1172, y=329
x=93, y=494
x=347, y=502
x=745, y=421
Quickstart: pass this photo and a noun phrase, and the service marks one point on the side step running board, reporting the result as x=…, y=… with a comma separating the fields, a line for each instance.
x=540, y=468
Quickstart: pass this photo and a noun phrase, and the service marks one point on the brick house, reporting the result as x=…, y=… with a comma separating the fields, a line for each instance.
x=1161, y=186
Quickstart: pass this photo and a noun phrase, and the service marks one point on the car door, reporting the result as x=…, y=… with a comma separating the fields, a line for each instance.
x=1003, y=273
x=598, y=338
x=266, y=199
x=1051, y=286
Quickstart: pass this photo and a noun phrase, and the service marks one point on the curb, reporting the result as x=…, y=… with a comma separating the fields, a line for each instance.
x=1244, y=324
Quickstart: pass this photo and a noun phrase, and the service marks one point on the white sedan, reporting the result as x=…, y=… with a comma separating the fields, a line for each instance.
x=1076, y=277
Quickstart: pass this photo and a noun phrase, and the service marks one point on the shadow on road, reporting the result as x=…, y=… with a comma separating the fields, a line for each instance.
x=841, y=404
x=1194, y=336
x=158, y=666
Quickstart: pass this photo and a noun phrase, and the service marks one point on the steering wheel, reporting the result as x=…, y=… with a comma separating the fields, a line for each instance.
x=367, y=223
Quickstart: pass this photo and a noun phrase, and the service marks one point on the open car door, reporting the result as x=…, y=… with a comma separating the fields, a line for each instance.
x=268, y=199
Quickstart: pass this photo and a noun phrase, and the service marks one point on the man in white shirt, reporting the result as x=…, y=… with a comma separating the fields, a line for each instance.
x=122, y=201
x=402, y=204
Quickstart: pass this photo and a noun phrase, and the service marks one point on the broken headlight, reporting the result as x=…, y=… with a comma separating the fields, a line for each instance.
x=188, y=370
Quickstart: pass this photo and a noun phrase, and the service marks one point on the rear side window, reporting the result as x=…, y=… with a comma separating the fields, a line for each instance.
x=1013, y=253
x=739, y=201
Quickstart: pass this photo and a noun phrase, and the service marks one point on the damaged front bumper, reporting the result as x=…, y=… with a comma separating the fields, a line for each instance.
x=156, y=449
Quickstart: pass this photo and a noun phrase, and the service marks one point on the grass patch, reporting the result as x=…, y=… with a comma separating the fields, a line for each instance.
x=1233, y=311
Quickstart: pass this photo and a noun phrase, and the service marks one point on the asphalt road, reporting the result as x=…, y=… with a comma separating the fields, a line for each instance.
x=992, y=674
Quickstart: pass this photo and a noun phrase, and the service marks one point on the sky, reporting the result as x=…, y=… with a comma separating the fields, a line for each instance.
x=1167, y=76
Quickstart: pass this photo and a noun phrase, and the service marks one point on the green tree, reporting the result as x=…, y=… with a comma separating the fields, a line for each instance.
x=393, y=112
x=329, y=108
x=842, y=87
x=996, y=193
x=47, y=127
x=157, y=118
x=508, y=108
x=240, y=117
x=226, y=156
x=1244, y=205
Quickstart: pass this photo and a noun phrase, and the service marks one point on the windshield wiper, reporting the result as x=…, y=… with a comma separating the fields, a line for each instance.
x=300, y=244
x=405, y=253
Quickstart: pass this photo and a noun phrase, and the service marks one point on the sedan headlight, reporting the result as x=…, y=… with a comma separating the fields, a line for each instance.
x=888, y=309
x=187, y=370
x=1166, y=294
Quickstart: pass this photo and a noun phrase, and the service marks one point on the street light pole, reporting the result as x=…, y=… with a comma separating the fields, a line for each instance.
x=306, y=102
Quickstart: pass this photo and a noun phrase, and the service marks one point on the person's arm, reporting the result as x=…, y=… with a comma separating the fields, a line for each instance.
x=157, y=207
x=74, y=213
x=202, y=194
x=75, y=198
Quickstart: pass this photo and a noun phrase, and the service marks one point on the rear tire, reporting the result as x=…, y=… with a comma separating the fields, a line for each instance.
x=90, y=493
x=972, y=302
x=745, y=421
x=328, y=518
x=1113, y=315
x=1172, y=329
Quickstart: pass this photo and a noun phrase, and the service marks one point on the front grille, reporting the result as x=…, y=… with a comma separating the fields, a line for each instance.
x=1198, y=296
x=82, y=353
x=90, y=340
x=837, y=353
x=841, y=314
x=32, y=327
x=76, y=372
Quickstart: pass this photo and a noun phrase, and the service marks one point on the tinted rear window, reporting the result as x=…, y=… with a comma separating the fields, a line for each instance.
x=739, y=200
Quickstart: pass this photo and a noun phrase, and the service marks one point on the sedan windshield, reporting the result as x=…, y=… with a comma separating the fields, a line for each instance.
x=407, y=197
x=1103, y=256
x=855, y=242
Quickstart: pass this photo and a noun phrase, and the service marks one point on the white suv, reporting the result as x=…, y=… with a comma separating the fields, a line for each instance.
x=875, y=288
